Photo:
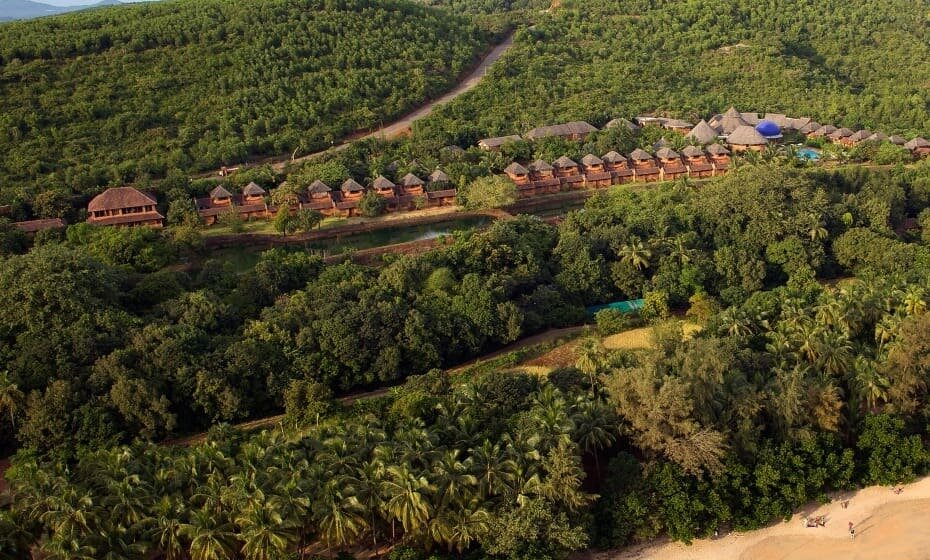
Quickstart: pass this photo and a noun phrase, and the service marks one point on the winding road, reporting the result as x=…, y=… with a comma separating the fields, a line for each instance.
x=401, y=125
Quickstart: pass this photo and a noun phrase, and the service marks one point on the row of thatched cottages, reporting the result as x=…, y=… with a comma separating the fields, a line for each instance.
x=742, y=131
x=613, y=168
x=127, y=206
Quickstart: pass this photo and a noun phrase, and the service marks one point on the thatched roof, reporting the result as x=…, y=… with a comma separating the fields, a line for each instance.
x=381, y=182
x=253, y=190
x=809, y=127
x=667, y=153
x=702, y=133
x=781, y=120
x=540, y=165
x=730, y=121
x=350, y=185
x=796, y=124
x=662, y=143
x=438, y=176
x=877, y=137
x=676, y=123
x=692, y=151
x=318, y=187
x=751, y=118
x=897, y=140
x=640, y=155
x=516, y=169
x=498, y=141
x=717, y=150
x=613, y=157
x=220, y=192
x=591, y=159
x=746, y=135
x=917, y=143
x=860, y=135
x=567, y=129
x=564, y=162
x=120, y=197
x=841, y=133
x=411, y=180
x=616, y=123
x=32, y=226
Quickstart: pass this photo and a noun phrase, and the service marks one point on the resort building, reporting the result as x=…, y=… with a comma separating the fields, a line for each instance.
x=124, y=206
x=919, y=147
x=746, y=138
x=702, y=133
x=644, y=166
x=495, y=144
x=250, y=204
x=32, y=226
x=568, y=172
x=670, y=162
x=595, y=174
x=575, y=130
x=696, y=162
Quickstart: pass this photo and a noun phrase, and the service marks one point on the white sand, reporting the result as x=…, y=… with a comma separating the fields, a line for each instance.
x=888, y=526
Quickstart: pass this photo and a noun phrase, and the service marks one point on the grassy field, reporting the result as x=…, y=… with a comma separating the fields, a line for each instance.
x=639, y=339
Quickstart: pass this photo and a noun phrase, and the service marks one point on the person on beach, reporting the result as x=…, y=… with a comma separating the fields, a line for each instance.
x=852, y=530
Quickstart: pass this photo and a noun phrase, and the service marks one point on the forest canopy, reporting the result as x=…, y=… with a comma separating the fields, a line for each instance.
x=112, y=95
x=847, y=63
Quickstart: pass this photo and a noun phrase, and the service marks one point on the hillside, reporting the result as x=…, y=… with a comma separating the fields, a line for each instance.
x=104, y=96
x=865, y=63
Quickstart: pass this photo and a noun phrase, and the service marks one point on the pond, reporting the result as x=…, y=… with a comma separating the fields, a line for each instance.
x=245, y=258
x=400, y=234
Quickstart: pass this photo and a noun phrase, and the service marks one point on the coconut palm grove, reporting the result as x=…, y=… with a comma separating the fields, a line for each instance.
x=553, y=318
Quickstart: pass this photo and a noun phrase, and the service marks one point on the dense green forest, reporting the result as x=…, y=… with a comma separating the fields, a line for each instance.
x=115, y=95
x=818, y=389
x=849, y=63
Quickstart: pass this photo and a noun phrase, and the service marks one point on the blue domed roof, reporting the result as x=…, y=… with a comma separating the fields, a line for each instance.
x=768, y=129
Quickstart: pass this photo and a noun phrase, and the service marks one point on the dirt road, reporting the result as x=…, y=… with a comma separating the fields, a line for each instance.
x=402, y=125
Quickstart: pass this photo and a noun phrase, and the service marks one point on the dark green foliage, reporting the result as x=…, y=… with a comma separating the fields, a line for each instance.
x=232, y=80
x=596, y=59
x=889, y=455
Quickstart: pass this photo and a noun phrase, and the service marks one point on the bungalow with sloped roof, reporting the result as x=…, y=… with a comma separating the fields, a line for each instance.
x=919, y=147
x=644, y=166
x=124, y=206
x=568, y=172
x=702, y=133
x=575, y=130
x=595, y=174
x=719, y=157
x=670, y=163
x=495, y=144
x=696, y=161
x=746, y=138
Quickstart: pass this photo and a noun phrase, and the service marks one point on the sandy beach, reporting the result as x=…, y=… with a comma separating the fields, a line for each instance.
x=888, y=526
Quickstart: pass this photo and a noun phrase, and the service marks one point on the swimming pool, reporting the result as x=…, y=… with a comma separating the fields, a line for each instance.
x=808, y=154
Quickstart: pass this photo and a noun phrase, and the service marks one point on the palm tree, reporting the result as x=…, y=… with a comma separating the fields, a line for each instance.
x=868, y=383
x=264, y=533
x=339, y=515
x=166, y=529
x=590, y=359
x=495, y=468
x=210, y=535
x=367, y=487
x=912, y=301
x=407, y=498
x=11, y=398
x=636, y=254
x=454, y=483
x=595, y=427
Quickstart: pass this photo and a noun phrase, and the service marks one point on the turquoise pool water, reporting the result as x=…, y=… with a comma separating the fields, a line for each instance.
x=808, y=154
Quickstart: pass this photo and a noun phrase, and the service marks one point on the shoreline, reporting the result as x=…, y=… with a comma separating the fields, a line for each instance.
x=888, y=526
